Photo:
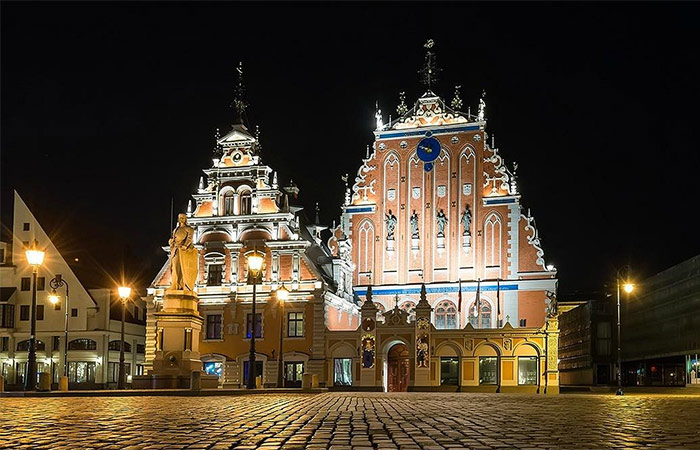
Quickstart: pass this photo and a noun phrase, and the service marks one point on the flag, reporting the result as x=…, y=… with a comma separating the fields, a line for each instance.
x=498, y=300
x=477, y=303
x=459, y=298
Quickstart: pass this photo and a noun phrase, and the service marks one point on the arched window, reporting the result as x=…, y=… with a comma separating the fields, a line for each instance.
x=115, y=345
x=445, y=315
x=410, y=308
x=228, y=203
x=365, y=249
x=492, y=240
x=380, y=312
x=485, y=315
x=23, y=346
x=246, y=203
x=82, y=344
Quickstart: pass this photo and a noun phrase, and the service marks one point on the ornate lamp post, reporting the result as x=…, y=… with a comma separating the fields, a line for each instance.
x=628, y=288
x=282, y=296
x=255, y=263
x=124, y=293
x=34, y=257
x=56, y=283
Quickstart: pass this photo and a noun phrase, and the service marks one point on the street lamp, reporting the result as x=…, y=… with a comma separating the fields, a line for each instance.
x=628, y=288
x=56, y=283
x=124, y=293
x=255, y=263
x=282, y=296
x=34, y=257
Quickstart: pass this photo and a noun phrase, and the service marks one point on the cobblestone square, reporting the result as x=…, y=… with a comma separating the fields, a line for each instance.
x=353, y=421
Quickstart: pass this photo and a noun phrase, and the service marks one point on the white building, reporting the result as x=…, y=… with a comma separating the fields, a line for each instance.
x=94, y=316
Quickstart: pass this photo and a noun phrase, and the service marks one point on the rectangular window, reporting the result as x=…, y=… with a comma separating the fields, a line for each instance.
x=527, y=370
x=40, y=283
x=604, y=339
x=342, y=371
x=81, y=372
x=74, y=312
x=56, y=344
x=215, y=271
x=295, y=324
x=249, y=325
x=488, y=370
x=24, y=312
x=4, y=344
x=449, y=371
x=141, y=348
x=523, y=322
x=113, y=371
x=139, y=369
x=20, y=372
x=7, y=315
x=25, y=226
x=26, y=284
x=214, y=326
x=2, y=256
x=39, y=312
x=214, y=368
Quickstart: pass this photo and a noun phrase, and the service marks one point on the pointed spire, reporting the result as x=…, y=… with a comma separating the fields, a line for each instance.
x=274, y=180
x=430, y=70
x=423, y=293
x=217, y=146
x=316, y=219
x=201, y=183
x=402, y=108
x=239, y=102
x=347, y=189
x=456, y=103
x=482, y=107
x=368, y=296
x=378, y=116
x=189, y=208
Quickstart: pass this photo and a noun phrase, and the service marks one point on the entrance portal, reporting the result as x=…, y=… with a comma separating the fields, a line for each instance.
x=398, y=369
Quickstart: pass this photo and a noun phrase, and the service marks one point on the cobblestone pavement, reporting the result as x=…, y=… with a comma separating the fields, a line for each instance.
x=353, y=420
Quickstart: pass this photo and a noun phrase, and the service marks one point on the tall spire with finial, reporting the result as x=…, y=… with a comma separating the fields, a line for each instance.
x=402, y=108
x=239, y=102
x=316, y=219
x=429, y=72
x=217, y=146
x=456, y=103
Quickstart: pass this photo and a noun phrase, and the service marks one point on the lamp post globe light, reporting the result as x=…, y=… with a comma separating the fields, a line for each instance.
x=35, y=257
x=124, y=294
x=628, y=288
x=282, y=296
x=56, y=283
x=255, y=263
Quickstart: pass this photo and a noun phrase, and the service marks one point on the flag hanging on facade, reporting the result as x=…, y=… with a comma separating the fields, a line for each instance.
x=498, y=298
x=477, y=302
x=459, y=298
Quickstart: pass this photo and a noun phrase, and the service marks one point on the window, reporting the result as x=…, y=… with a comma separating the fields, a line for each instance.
x=40, y=283
x=23, y=346
x=2, y=256
x=445, y=315
x=214, y=368
x=82, y=344
x=136, y=313
x=246, y=203
x=81, y=372
x=214, y=326
x=449, y=371
x=24, y=312
x=527, y=370
x=74, y=312
x=295, y=324
x=342, y=371
x=4, y=344
x=26, y=284
x=7, y=315
x=25, y=226
x=523, y=322
x=485, y=315
x=410, y=308
x=139, y=369
x=249, y=325
x=141, y=349
x=56, y=343
x=113, y=371
x=39, y=312
x=604, y=339
x=246, y=370
x=228, y=203
x=215, y=272
x=293, y=371
x=488, y=372
x=20, y=372
x=116, y=346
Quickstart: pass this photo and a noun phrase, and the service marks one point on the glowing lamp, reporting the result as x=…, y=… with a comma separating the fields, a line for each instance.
x=34, y=256
x=255, y=262
x=124, y=292
x=54, y=298
x=282, y=294
x=628, y=287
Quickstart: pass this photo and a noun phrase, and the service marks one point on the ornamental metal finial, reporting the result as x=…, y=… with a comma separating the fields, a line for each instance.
x=456, y=103
x=402, y=108
x=239, y=102
x=217, y=146
x=430, y=70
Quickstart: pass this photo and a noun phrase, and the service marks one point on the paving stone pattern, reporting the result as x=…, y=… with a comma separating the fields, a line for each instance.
x=353, y=421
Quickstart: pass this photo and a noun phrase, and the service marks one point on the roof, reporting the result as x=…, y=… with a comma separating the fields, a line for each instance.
x=237, y=137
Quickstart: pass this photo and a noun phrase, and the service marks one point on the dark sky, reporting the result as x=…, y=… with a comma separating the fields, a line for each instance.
x=108, y=111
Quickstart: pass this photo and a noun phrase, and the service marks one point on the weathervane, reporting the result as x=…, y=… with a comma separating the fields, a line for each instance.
x=430, y=70
x=456, y=103
x=239, y=102
x=402, y=108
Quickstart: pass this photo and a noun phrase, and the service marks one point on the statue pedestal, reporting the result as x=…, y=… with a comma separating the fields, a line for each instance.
x=390, y=245
x=466, y=242
x=178, y=329
x=441, y=242
x=415, y=243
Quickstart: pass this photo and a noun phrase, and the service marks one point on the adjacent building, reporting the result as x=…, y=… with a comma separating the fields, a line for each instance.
x=94, y=316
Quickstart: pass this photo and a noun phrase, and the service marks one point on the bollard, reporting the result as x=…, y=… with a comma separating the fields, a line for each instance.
x=258, y=382
x=2, y=383
x=44, y=382
x=63, y=384
x=196, y=380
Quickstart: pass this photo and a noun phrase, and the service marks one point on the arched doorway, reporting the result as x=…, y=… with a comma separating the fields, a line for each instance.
x=397, y=368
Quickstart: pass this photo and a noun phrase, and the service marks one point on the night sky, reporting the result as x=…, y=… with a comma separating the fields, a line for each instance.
x=109, y=111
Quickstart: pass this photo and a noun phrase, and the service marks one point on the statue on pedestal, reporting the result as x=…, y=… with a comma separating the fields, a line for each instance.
x=390, y=225
x=441, y=222
x=414, y=225
x=183, y=256
x=467, y=221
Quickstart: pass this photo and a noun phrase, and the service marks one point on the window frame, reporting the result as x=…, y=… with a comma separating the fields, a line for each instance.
x=211, y=322
x=297, y=321
x=248, y=325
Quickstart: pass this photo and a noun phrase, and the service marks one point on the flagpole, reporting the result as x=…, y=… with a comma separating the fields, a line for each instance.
x=478, y=303
x=498, y=300
x=459, y=303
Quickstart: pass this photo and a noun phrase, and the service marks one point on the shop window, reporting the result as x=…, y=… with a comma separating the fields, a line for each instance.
x=295, y=324
x=113, y=371
x=214, y=368
x=342, y=371
x=527, y=370
x=449, y=371
x=214, y=326
x=81, y=372
x=488, y=370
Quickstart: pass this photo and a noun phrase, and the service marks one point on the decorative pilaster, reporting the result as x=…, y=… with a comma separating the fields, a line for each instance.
x=422, y=345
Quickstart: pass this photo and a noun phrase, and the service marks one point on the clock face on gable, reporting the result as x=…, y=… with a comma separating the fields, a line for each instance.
x=428, y=149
